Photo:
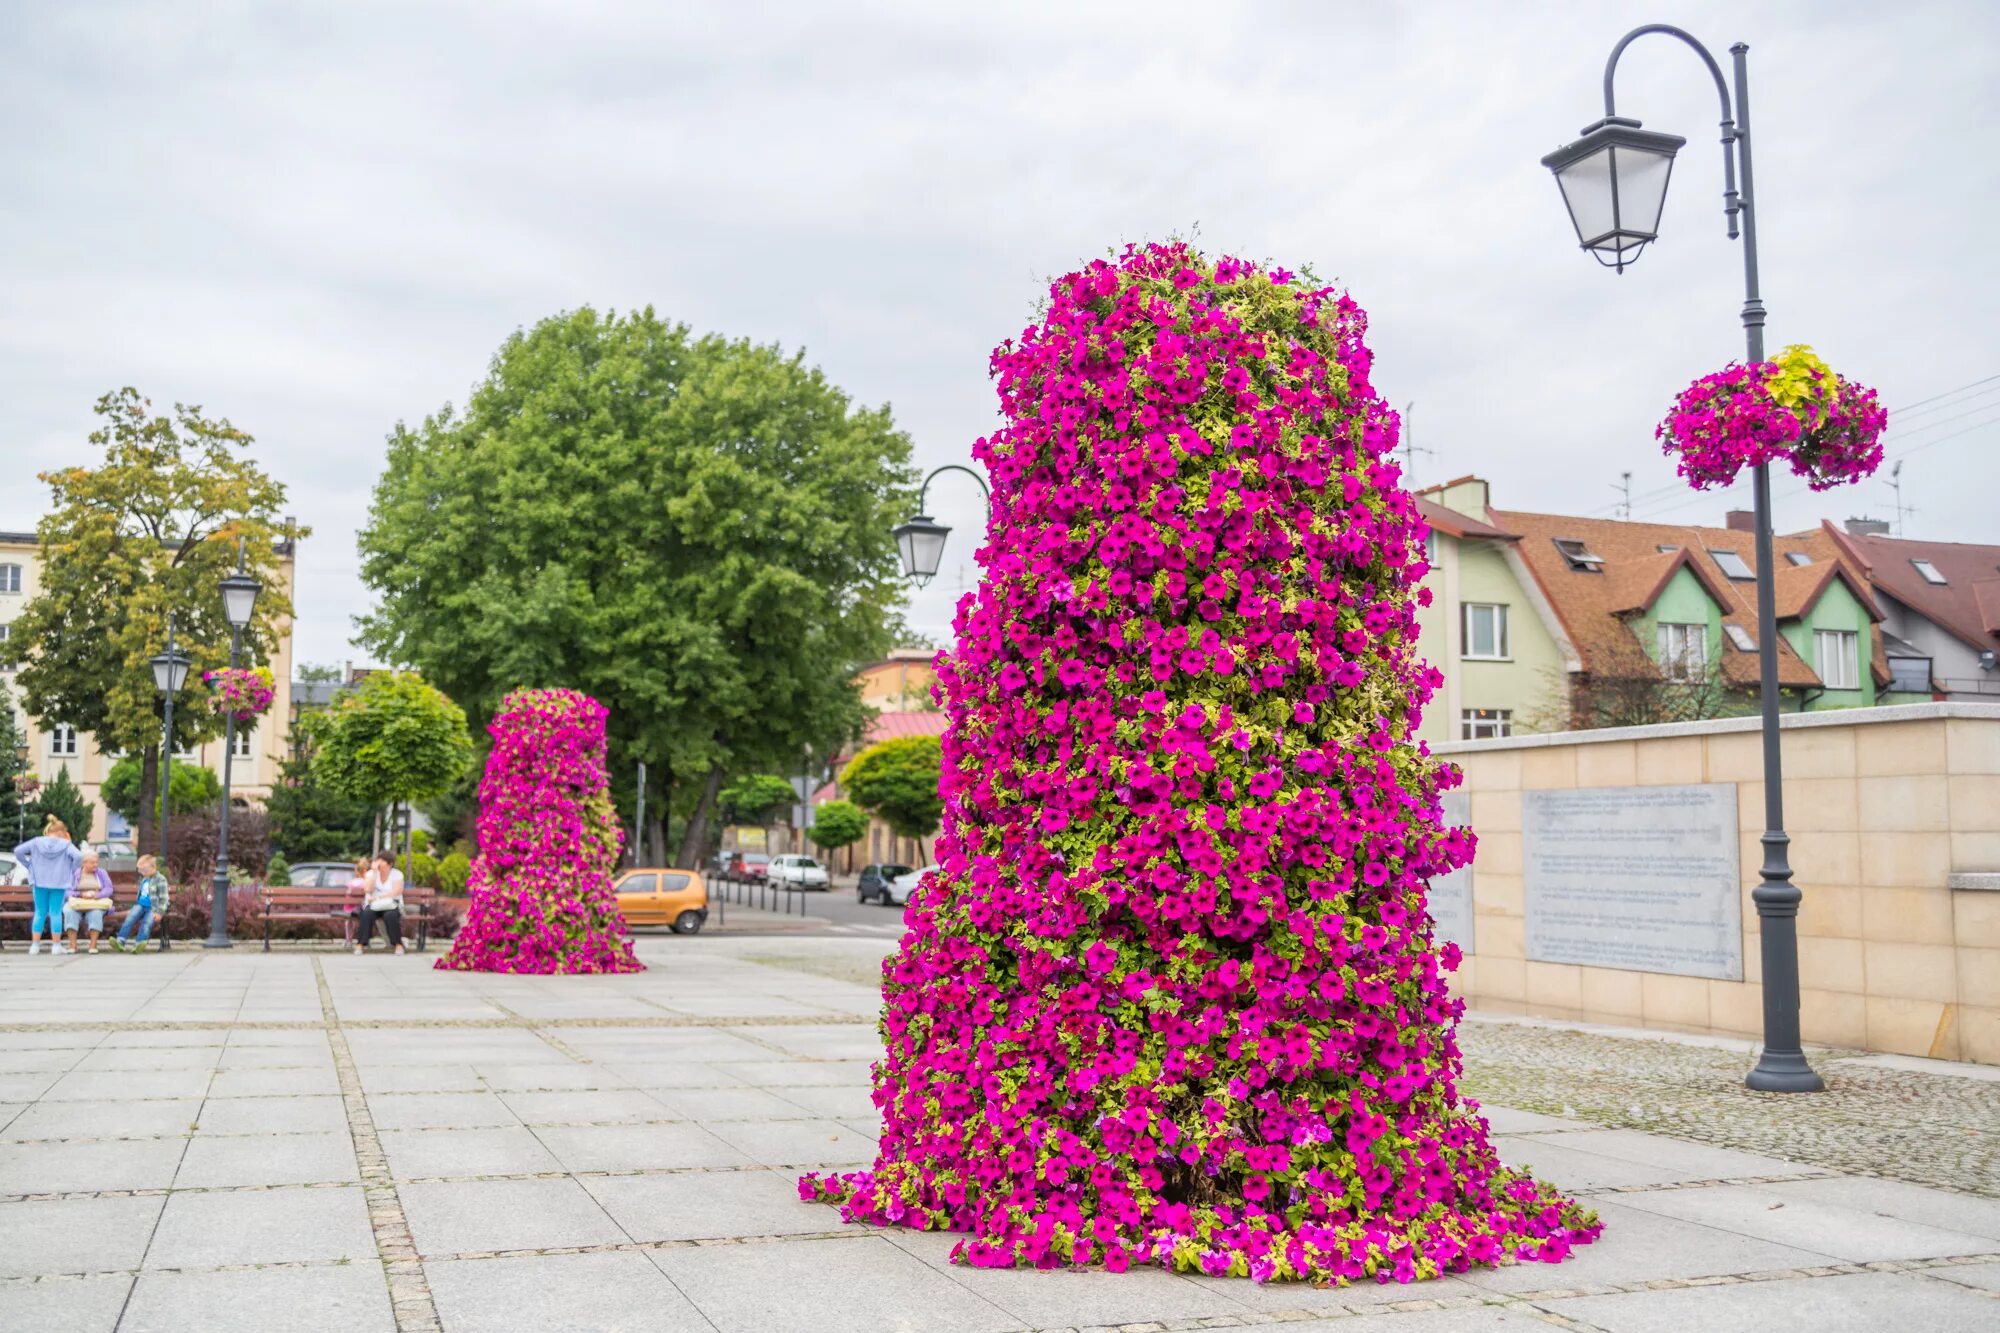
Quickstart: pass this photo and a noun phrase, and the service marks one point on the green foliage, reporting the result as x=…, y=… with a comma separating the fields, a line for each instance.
x=898, y=780
x=310, y=821
x=453, y=872
x=278, y=870
x=837, y=824
x=422, y=870
x=455, y=813
x=756, y=799
x=149, y=531
x=420, y=840
x=692, y=530
x=13, y=738
x=60, y=797
x=393, y=738
x=194, y=788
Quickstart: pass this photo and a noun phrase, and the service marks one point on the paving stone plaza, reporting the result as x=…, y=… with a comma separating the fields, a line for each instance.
x=306, y=1140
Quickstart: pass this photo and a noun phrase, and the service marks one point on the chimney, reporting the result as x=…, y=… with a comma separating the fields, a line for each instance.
x=1740, y=520
x=1868, y=527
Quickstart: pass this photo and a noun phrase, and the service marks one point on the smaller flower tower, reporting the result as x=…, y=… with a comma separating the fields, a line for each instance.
x=542, y=900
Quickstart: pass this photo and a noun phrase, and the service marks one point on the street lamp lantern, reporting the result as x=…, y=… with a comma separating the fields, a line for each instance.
x=1614, y=182
x=239, y=599
x=921, y=540
x=170, y=670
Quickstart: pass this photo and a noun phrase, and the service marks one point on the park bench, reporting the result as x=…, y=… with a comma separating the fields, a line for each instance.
x=284, y=901
x=17, y=903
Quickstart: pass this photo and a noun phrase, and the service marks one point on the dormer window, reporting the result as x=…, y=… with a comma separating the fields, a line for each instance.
x=1740, y=637
x=1579, y=555
x=1731, y=564
x=1929, y=572
x=1798, y=557
x=1665, y=549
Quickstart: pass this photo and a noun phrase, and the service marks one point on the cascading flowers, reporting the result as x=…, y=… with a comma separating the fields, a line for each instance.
x=541, y=894
x=1173, y=996
x=1792, y=407
x=244, y=693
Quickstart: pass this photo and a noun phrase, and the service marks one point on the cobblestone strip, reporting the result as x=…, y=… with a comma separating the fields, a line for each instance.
x=829, y=1019
x=409, y=1289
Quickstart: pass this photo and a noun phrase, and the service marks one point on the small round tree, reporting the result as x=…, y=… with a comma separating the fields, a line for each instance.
x=898, y=780
x=392, y=740
x=1174, y=996
x=541, y=895
x=837, y=824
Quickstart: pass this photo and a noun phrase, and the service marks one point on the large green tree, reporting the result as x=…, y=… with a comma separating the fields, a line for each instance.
x=193, y=788
x=393, y=740
x=693, y=530
x=13, y=764
x=150, y=530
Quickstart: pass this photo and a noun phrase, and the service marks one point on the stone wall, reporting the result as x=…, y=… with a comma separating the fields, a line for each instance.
x=1894, y=815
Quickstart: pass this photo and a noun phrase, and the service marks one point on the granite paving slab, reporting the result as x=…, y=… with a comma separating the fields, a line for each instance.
x=323, y=1298
x=208, y=1229
x=40, y=1237
x=1853, y=1303
x=576, y=1293
x=462, y=1216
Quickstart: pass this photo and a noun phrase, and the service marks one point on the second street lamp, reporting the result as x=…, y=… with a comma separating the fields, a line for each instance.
x=170, y=670
x=239, y=601
x=1614, y=180
x=920, y=538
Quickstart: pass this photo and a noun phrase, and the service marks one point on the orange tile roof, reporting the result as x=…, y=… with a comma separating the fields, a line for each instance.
x=1966, y=605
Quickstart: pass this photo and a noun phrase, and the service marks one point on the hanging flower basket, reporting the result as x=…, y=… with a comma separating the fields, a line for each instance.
x=26, y=785
x=1792, y=407
x=243, y=693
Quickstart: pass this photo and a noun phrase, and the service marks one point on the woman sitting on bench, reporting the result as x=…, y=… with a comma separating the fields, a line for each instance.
x=382, y=900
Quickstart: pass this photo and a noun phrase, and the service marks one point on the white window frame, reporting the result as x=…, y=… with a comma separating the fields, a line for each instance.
x=64, y=743
x=1485, y=724
x=245, y=737
x=1683, y=650
x=1431, y=547
x=1896, y=680
x=1718, y=554
x=10, y=578
x=1837, y=655
x=1501, y=644
x=1929, y=572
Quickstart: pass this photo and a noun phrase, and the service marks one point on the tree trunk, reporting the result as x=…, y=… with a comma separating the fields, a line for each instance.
x=149, y=800
x=696, y=837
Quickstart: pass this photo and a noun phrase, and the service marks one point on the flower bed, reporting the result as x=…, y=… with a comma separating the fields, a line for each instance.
x=1174, y=996
x=541, y=895
x=1792, y=407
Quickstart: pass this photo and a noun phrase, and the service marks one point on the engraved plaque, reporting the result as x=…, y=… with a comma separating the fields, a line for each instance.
x=1450, y=895
x=1640, y=878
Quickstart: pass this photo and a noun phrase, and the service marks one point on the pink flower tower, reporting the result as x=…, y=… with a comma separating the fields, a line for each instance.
x=1174, y=997
x=542, y=899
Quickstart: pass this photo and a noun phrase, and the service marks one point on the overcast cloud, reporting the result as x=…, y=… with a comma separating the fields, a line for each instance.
x=319, y=223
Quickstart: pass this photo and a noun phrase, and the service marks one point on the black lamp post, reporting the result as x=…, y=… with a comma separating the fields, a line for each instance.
x=1614, y=181
x=239, y=600
x=921, y=538
x=170, y=670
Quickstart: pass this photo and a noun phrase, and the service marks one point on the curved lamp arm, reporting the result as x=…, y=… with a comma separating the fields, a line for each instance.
x=1732, y=202
x=977, y=480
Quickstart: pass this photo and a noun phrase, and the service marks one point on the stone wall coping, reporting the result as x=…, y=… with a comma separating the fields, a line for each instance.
x=1975, y=881
x=1723, y=726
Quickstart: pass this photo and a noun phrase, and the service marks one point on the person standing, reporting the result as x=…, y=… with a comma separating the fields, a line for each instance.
x=382, y=901
x=154, y=899
x=51, y=862
x=89, y=899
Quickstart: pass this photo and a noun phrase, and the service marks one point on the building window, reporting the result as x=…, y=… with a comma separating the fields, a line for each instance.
x=6, y=632
x=62, y=741
x=1485, y=724
x=1579, y=555
x=1798, y=557
x=1431, y=547
x=1731, y=564
x=1929, y=571
x=1664, y=549
x=1839, y=654
x=240, y=746
x=1910, y=675
x=10, y=578
x=1485, y=631
x=1741, y=637
x=1683, y=651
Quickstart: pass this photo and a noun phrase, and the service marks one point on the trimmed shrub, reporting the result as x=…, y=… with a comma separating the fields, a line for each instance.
x=453, y=872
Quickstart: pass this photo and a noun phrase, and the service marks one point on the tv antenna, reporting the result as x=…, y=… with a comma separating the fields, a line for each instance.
x=1896, y=485
x=1410, y=450
x=1624, y=487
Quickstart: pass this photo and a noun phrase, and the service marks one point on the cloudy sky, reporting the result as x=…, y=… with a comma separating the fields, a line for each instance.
x=320, y=220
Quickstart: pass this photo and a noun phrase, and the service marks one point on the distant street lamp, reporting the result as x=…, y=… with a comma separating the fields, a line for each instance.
x=1614, y=182
x=921, y=538
x=170, y=670
x=239, y=600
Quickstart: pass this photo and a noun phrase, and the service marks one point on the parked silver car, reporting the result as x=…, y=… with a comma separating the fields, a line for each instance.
x=800, y=872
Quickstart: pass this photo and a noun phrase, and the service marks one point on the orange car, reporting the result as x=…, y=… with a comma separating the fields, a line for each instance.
x=663, y=897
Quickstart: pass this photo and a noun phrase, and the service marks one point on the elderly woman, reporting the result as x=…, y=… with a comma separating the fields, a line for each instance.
x=89, y=899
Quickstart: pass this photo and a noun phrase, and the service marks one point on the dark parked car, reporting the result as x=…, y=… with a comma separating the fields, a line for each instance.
x=873, y=887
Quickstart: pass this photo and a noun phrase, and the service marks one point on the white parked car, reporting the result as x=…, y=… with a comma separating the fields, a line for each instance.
x=800, y=871
x=902, y=886
x=12, y=872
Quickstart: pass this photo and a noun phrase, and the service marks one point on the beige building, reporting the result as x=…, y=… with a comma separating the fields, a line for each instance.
x=260, y=747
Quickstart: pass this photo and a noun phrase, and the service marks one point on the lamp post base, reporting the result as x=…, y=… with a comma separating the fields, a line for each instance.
x=218, y=913
x=1783, y=1072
